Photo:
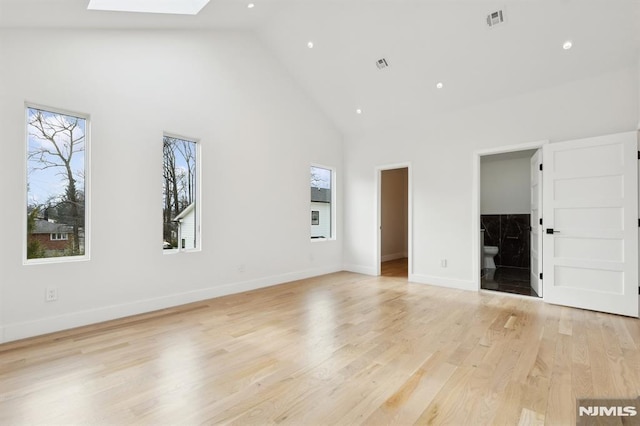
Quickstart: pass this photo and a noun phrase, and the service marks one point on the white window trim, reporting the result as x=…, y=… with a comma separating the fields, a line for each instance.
x=334, y=221
x=87, y=187
x=64, y=236
x=198, y=207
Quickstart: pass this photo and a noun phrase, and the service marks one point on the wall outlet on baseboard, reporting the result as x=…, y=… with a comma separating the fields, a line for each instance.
x=51, y=294
x=443, y=263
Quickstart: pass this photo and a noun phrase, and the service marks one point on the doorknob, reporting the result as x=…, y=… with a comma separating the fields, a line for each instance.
x=551, y=231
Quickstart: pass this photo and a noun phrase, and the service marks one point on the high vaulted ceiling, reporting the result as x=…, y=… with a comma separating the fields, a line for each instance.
x=424, y=42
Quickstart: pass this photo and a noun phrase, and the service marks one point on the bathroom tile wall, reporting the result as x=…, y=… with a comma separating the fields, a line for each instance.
x=510, y=233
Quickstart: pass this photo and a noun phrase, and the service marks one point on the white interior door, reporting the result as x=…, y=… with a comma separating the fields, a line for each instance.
x=536, y=226
x=590, y=205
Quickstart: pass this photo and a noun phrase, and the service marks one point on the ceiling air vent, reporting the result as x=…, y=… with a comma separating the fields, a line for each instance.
x=495, y=18
x=382, y=63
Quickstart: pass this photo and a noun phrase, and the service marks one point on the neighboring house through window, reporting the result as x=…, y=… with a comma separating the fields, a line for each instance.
x=57, y=176
x=181, y=227
x=321, y=202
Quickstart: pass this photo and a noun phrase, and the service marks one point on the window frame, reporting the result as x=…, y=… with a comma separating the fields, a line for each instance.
x=332, y=210
x=198, y=197
x=87, y=186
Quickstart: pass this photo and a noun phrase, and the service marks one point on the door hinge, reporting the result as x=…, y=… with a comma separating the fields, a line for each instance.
x=541, y=166
x=540, y=221
x=638, y=155
x=540, y=275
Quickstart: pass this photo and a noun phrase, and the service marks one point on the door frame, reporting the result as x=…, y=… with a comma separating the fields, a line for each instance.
x=476, y=252
x=535, y=170
x=378, y=231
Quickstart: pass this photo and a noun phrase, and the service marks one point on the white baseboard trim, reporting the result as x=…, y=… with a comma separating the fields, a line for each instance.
x=22, y=330
x=444, y=282
x=360, y=269
x=392, y=256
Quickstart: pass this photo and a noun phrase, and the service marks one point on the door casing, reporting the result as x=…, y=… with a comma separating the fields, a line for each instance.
x=536, y=225
x=378, y=233
x=476, y=251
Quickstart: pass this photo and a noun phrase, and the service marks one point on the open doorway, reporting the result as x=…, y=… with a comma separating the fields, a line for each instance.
x=509, y=206
x=587, y=226
x=394, y=222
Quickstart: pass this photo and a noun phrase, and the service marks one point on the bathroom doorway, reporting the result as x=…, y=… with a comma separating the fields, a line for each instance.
x=394, y=221
x=509, y=202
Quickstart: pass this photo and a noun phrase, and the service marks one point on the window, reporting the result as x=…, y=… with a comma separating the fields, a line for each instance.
x=321, y=202
x=57, y=175
x=181, y=228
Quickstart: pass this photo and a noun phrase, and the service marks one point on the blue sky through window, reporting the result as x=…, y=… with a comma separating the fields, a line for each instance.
x=46, y=175
x=320, y=177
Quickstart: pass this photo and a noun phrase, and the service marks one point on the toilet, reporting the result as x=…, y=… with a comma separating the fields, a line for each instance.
x=489, y=252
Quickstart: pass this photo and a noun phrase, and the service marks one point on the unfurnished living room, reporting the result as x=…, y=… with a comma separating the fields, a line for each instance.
x=319, y=212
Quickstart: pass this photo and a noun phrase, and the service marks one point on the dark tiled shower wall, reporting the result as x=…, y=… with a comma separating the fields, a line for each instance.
x=510, y=233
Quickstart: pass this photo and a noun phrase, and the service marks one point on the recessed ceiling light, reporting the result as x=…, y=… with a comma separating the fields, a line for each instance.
x=439, y=85
x=310, y=45
x=251, y=5
x=177, y=7
x=567, y=45
x=358, y=111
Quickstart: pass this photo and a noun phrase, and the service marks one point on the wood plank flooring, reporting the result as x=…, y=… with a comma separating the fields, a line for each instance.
x=395, y=268
x=340, y=349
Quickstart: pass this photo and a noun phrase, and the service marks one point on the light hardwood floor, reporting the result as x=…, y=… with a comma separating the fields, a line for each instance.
x=339, y=349
x=395, y=268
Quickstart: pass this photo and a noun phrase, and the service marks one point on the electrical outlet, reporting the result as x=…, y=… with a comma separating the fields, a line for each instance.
x=241, y=267
x=443, y=263
x=51, y=294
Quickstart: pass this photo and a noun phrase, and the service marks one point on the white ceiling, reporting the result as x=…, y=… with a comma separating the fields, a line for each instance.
x=424, y=41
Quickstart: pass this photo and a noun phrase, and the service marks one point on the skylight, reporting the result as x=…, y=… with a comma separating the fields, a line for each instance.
x=178, y=7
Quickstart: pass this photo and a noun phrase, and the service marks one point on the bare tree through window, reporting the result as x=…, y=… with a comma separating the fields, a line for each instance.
x=56, y=193
x=179, y=193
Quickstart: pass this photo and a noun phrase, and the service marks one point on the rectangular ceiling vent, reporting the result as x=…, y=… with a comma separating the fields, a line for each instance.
x=495, y=18
x=382, y=63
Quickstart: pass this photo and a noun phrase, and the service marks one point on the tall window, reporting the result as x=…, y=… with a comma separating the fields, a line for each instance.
x=57, y=172
x=180, y=221
x=321, y=203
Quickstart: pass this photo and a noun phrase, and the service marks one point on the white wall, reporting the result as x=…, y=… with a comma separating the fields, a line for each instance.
x=505, y=186
x=393, y=205
x=259, y=134
x=441, y=150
